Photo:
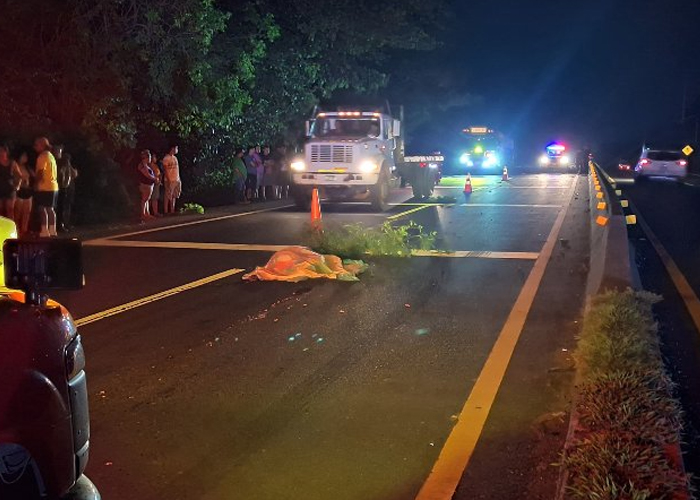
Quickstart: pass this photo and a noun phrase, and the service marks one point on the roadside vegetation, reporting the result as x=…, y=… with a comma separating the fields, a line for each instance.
x=192, y=208
x=354, y=241
x=625, y=442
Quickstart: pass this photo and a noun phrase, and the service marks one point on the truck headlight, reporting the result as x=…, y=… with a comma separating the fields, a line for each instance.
x=464, y=159
x=564, y=160
x=368, y=167
x=544, y=160
x=298, y=166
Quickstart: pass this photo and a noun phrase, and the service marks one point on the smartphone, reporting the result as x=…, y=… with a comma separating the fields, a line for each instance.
x=43, y=264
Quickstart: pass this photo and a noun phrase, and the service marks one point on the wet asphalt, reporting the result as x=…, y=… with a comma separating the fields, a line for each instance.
x=322, y=389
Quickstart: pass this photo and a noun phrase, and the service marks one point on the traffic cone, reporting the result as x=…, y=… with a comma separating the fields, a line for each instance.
x=505, y=174
x=468, y=184
x=315, y=210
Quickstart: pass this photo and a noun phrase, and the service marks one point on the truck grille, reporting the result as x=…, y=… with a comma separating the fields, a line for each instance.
x=327, y=153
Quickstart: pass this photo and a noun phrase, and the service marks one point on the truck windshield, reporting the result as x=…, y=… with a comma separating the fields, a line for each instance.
x=348, y=128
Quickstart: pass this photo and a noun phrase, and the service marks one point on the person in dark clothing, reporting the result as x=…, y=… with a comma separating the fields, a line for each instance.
x=67, y=175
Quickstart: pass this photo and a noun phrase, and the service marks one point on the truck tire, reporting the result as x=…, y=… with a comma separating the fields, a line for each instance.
x=379, y=193
x=423, y=184
x=302, y=199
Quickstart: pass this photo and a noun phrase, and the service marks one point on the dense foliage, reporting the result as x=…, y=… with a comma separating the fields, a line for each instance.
x=122, y=71
x=108, y=76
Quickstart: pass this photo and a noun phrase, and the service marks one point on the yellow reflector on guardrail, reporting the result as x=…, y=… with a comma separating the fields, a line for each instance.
x=601, y=221
x=602, y=205
x=599, y=195
x=624, y=203
x=631, y=219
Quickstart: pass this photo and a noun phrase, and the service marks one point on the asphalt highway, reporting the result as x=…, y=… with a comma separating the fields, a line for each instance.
x=203, y=386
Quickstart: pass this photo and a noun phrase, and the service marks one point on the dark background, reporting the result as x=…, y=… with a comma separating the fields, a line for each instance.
x=609, y=74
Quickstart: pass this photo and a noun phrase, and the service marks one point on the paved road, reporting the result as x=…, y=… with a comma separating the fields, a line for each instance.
x=317, y=390
x=670, y=210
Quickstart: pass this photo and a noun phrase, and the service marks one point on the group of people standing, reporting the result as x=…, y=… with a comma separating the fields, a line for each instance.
x=261, y=174
x=156, y=175
x=31, y=191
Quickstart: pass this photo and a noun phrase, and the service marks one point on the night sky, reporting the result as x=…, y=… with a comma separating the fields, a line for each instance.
x=605, y=73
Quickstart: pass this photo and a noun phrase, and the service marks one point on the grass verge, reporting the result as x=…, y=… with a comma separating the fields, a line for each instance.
x=354, y=241
x=626, y=441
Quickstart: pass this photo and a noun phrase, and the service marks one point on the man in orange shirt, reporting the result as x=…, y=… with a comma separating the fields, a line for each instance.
x=46, y=186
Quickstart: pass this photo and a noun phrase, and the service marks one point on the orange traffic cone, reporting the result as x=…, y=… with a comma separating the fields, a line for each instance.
x=315, y=210
x=505, y=174
x=468, y=184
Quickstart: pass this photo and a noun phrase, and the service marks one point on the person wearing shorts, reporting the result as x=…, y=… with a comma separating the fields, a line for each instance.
x=173, y=184
x=146, y=181
x=23, y=203
x=155, y=197
x=46, y=187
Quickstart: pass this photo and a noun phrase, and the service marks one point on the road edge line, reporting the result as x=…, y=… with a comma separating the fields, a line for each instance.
x=683, y=287
x=190, y=223
x=447, y=472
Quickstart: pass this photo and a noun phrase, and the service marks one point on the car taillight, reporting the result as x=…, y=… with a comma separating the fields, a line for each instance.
x=423, y=164
x=645, y=161
x=682, y=163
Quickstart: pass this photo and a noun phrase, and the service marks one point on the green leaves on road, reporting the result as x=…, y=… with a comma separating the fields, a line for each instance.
x=354, y=241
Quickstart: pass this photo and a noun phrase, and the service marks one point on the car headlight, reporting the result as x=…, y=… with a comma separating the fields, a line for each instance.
x=491, y=161
x=564, y=160
x=544, y=160
x=298, y=166
x=368, y=167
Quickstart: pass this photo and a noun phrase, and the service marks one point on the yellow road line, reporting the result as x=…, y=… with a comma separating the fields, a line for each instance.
x=154, y=298
x=409, y=212
x=192, y=223
x=685, y=290
x=186, y=245
x=459, y=447
x=475, y=254
x=190, y=245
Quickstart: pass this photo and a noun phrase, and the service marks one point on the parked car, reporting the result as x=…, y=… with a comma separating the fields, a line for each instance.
x=661, y=163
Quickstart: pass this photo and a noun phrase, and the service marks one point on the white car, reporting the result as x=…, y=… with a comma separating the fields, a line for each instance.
x=661, y=163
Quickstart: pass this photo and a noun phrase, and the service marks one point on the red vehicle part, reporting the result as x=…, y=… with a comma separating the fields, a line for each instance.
x=44, y=422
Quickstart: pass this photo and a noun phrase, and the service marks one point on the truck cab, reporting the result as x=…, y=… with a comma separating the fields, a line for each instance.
x=349, y=155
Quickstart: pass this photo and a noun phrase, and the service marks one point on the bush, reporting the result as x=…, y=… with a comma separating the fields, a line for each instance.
x=354, y=241
x=192, y=208
x=628, y=421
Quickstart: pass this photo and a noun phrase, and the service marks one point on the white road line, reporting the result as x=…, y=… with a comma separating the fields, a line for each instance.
x=459, y=447
x=154, y=298
x=538, y=187
x=509, y=205
x=191, y=223
x=476, y=254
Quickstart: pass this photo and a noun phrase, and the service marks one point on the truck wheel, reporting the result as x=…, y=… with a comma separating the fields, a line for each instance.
x=379, y=193
x=417, y=187
x=302, y=199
